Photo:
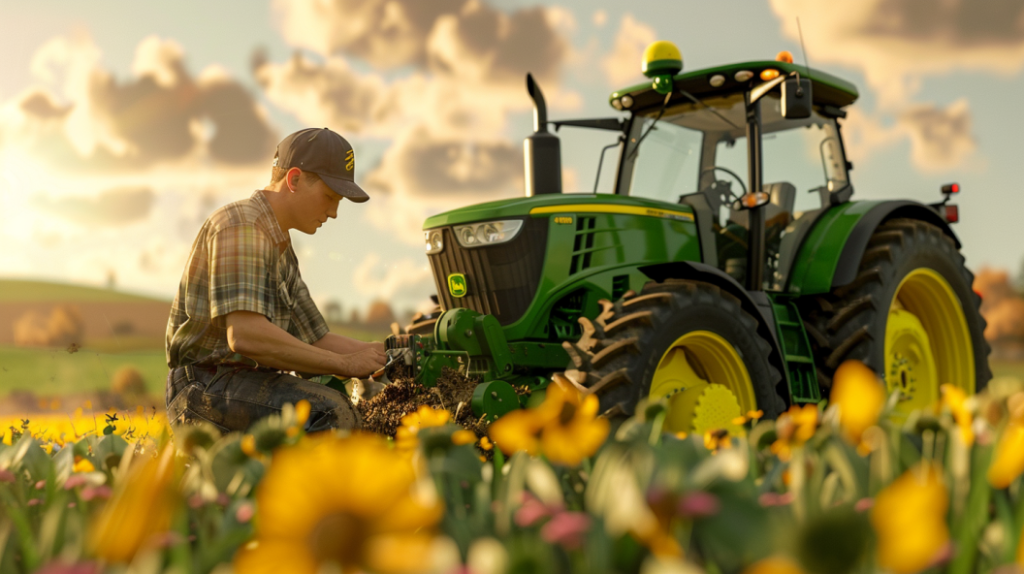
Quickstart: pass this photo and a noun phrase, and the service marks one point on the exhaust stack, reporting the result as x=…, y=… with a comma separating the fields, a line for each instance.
x=541, y=151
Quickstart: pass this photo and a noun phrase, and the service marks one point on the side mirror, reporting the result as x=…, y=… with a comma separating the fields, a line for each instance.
x=796, y=98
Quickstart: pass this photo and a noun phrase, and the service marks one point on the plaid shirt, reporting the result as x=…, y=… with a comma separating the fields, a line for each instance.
x=241, y=261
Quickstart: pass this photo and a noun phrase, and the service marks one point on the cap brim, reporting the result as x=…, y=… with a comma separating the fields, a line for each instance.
x=345, y=188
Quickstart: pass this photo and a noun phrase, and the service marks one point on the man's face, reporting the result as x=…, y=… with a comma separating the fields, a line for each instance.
x=316, y=204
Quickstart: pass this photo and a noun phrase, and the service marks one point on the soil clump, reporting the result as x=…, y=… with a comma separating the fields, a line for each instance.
x=383, y=413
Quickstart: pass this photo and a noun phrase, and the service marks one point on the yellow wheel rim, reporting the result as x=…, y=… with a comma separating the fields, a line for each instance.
x=706, y=383
x=927, y=342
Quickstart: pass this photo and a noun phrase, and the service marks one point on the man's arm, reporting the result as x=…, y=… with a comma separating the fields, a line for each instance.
x=345, y=345
x=252, y=335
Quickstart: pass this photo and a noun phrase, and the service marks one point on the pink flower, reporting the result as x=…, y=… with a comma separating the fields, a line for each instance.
x=698, y=504
x=74, y=480
x=864, y=504
x=244, y=513
x=532, y=511
x=566, y=529
x=91, y=492
x=34, y=502
x=41, y=485
x=62, y=568
x=6, y=475
x=774, y=499
x=195, y=501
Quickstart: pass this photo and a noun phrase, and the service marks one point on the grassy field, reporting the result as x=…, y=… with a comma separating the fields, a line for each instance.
x=55, y=371
x=1008, y=370
x=18, y=291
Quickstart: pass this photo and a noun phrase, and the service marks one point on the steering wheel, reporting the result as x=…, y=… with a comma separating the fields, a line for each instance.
x=728, y=171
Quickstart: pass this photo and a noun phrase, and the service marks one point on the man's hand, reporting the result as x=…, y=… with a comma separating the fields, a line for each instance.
x=363, y=363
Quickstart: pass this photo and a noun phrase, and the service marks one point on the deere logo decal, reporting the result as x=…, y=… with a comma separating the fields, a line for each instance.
x=350, y=160
x=457, y=285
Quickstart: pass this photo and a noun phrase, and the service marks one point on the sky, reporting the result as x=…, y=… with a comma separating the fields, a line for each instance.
x=123, y=125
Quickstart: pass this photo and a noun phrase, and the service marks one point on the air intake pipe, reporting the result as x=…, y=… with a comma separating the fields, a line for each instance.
x=541, y=150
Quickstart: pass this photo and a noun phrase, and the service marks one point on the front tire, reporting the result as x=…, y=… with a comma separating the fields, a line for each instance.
x=910, y=315
x=685, y=341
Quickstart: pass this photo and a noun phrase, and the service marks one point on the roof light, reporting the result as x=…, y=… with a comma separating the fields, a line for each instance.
x=952, y=214
x=717, y=81
x=769, y=74
x=617, y=104
x=743, y=75
x=950, y=188
x=784, y=56
x=627, y=102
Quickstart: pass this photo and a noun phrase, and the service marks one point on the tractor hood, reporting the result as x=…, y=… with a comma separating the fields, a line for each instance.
x=540, y=205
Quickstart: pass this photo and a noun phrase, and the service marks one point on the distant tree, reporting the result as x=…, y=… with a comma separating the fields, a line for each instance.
x=379, y=314
x=353, y=317
x=111, y=279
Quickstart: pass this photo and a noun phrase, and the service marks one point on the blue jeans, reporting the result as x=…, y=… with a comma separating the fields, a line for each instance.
x=233, y=397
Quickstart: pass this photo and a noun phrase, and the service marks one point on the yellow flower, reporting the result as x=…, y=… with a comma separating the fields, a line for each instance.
x=565, y=427
x=717, y=439
x=773, y=565
x=302, y=409
x=909, y=517
x=248, y=445
x=1008, y=462
x=955, y=400
x=424, y=417
x=463, y=437
x=141, y=507
x=485, y=443
x=860, y=396
x=349, y=503
x=83, y=465
x=793, y=428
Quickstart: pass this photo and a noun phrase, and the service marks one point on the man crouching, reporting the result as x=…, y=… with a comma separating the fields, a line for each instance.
x=243, y=317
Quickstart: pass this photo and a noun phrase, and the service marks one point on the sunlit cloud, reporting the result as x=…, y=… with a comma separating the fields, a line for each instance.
x=621, y=65
x=81, y=118
x=896, y=44
x=110, y=208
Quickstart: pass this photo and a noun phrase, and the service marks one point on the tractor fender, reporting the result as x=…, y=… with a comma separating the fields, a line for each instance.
x=857, y=242
x=756, y=303
x=830, y=254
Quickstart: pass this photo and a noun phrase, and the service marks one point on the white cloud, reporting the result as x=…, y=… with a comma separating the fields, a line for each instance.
x=939, y=137
x=622, y=64
x=114, y=207
x=896, y=43
x=404, y=280
x=80, y=118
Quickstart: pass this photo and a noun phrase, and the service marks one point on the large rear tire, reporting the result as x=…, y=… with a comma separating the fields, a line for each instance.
x=685, y=341
x=910, y=315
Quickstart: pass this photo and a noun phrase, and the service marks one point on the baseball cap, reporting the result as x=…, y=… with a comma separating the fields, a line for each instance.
x=326, y=154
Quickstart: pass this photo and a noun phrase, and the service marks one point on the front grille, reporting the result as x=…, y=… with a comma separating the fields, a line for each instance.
x=501, y=279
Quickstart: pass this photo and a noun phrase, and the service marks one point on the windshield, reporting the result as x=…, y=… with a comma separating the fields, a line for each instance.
x=702, y=149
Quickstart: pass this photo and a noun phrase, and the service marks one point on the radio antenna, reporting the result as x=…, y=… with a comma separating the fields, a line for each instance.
x=807, y=65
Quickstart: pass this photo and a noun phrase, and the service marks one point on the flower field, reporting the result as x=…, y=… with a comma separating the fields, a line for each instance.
x=851, y=487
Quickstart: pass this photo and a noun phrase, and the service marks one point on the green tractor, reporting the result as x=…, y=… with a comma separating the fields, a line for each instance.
x=728, y=272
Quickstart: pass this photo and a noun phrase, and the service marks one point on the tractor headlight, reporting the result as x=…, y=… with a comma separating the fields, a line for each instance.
x=434, y=241
x=487, y=233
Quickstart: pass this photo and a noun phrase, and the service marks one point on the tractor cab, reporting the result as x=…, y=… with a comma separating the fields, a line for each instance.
x=705, y=144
